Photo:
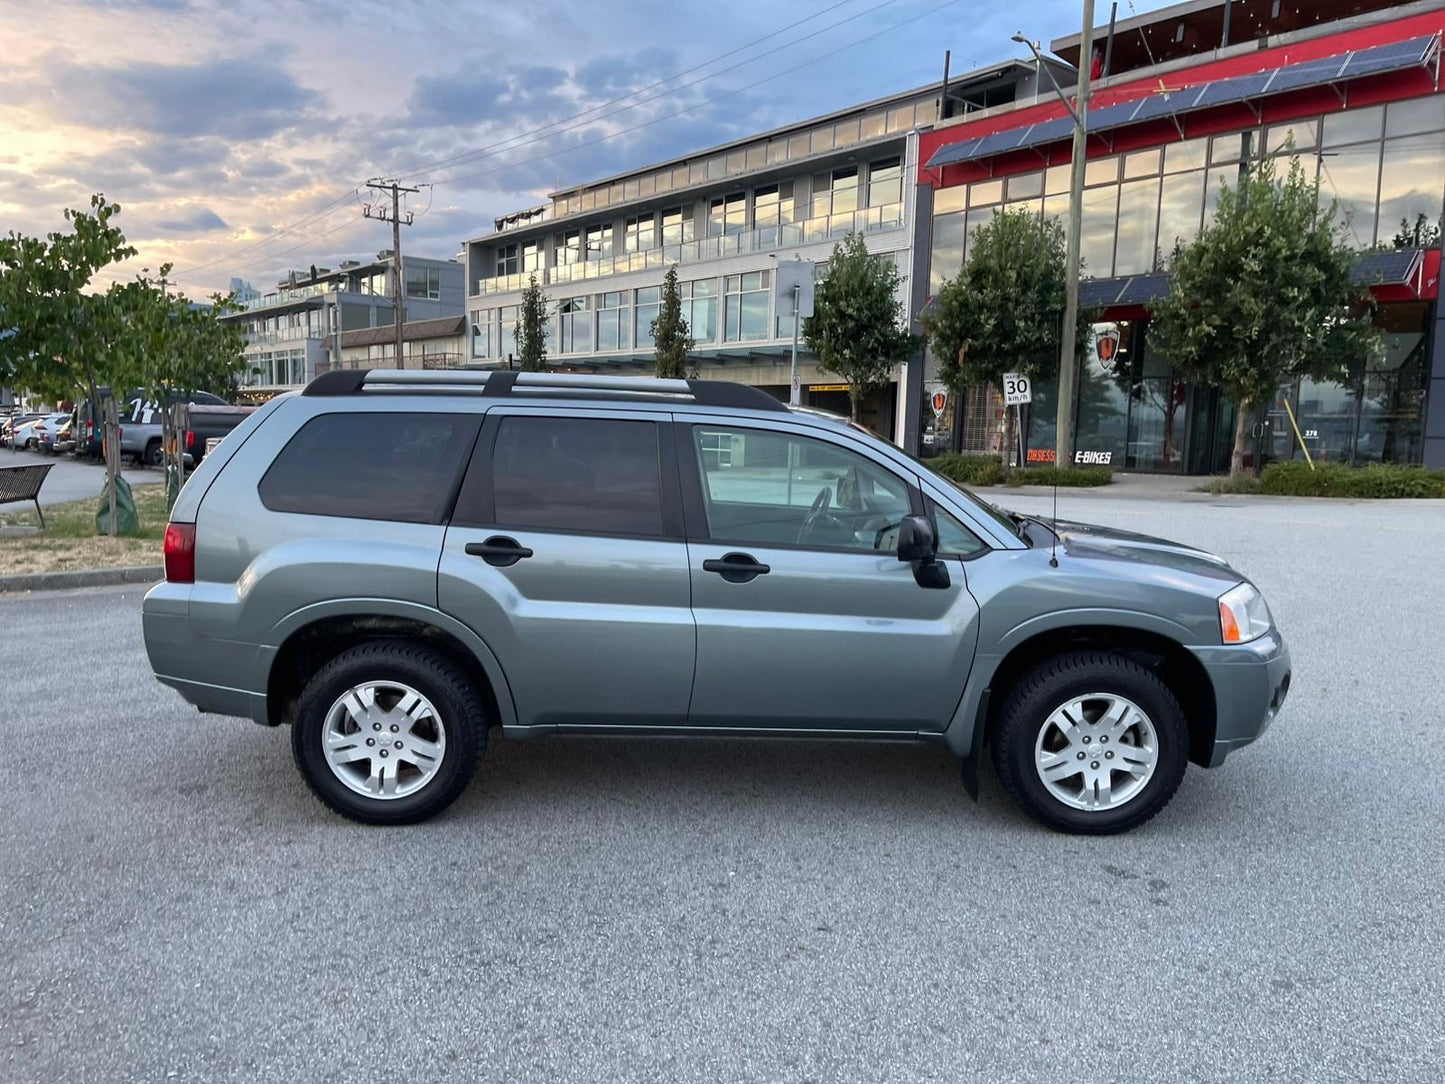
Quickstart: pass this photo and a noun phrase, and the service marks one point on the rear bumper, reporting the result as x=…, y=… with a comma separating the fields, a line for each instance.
x=1250, y=684
x=179, y=657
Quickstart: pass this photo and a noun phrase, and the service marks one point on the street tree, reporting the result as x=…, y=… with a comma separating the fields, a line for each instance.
x=67, y=335
x=183, y=348
x=857, y=329
x=1003, y=312
x=532, y=329
x=1263, y=296
x=671, y=336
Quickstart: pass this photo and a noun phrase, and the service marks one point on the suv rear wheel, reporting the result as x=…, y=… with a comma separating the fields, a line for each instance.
x=389, y=733
x=1091, y=742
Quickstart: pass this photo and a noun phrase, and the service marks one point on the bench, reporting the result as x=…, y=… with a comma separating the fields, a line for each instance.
x=23, y=484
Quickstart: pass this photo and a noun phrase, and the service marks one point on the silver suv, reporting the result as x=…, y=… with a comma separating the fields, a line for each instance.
x=392, y=563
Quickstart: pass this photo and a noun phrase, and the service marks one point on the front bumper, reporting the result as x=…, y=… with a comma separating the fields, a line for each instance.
x=1250, y=684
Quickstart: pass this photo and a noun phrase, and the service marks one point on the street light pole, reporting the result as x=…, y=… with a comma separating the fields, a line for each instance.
x=1068, y=367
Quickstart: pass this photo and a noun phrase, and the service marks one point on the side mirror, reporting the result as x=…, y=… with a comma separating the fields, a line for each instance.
x=915, y=540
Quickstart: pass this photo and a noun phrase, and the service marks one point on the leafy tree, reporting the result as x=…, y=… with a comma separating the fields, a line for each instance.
x=183, y=348
x=1263, y=296
x=671, y=336
x=1423, y=234
x=857, y=329
x=532, y=329
x=65, y=335
x=1003, y=312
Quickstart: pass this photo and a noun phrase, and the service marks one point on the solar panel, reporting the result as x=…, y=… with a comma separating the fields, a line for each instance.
x=1395, y=56
x=1311, y=73
x=1144, y=288
x=1384, y=268
x=1239, y=89
x=1392, y=57
x=954, y=152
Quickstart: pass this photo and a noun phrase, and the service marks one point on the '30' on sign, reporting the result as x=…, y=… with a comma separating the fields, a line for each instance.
x=1016, y=389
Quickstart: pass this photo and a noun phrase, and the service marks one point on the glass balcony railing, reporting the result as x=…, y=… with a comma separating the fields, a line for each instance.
x=820, y=228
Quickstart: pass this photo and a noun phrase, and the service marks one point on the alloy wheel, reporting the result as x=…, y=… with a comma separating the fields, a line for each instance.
x=1096, y=752
x=383, y=739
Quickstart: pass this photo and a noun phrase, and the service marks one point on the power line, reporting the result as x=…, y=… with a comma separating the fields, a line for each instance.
x=698, y=105
x=398, y=296
x=338, y=204
x=543, y=132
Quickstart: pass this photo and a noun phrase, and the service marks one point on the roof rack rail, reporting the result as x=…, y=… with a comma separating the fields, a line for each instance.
x=493, y=382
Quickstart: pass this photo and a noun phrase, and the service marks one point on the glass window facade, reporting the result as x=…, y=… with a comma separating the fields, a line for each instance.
x=649, y=302
x=746, y=310
x=575, y=325
x=700, y=309
x=614, y=321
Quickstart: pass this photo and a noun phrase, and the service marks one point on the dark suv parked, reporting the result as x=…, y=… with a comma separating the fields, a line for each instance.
x=393, y=562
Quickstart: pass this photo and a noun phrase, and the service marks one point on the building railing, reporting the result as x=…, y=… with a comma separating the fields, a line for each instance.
x=286, y=335
x=761, y=239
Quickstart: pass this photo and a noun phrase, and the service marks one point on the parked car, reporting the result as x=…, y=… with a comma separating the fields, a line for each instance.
x=392, y=562
x=64, y=437
x=140, y=427
x=12, y=424
x=208, y=425
x=29, y=436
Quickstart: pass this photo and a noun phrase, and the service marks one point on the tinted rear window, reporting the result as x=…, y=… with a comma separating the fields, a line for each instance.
x=598, y=476
x=371, y=466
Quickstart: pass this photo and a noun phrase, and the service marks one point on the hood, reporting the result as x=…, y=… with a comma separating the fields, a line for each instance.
x=1087, y=540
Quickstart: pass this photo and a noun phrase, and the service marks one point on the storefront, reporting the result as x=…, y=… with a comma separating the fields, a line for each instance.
x=1371, y=130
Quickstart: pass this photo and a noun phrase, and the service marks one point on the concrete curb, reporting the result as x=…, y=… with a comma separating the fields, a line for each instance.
x=87, y=577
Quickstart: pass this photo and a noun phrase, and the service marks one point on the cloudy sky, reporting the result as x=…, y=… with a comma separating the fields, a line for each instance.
x=235, y=134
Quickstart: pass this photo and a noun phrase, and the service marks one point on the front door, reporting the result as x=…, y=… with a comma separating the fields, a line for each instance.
x=806, y=619
x=565, y=554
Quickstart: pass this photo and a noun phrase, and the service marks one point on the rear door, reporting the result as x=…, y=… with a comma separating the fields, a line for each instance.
x=806, y=619
x=565, y=554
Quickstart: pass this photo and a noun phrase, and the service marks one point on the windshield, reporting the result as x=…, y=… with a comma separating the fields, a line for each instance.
x=1008, y=522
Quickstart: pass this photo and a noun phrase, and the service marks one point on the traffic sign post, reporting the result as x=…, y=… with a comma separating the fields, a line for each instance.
x=1017, y=393
x=793, y=287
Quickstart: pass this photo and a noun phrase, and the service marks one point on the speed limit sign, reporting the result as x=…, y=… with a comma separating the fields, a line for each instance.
x=1016, y=389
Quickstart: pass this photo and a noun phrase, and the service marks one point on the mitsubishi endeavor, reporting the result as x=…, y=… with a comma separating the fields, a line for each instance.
x=392, y=563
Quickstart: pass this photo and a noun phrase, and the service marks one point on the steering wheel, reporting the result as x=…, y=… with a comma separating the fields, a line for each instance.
x=818, y=513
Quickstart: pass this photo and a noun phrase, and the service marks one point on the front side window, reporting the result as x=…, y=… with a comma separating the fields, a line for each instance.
x=954, y=539
x=769, y=488
x=598, y=476
x=400, y=467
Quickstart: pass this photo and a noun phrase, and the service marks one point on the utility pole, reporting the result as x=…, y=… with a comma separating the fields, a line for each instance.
x=395, y=218
x=1068, y=366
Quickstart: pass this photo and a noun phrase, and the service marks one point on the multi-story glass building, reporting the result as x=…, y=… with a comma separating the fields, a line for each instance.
x=1194, y=95
x=723, y=217
x=295, y=333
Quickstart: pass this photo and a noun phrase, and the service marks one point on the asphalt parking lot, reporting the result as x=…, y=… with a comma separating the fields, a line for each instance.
x=175, y=906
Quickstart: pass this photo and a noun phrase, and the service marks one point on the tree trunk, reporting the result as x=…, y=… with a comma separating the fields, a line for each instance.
x=111, y=439
x=1241, y=434
x=855, y=401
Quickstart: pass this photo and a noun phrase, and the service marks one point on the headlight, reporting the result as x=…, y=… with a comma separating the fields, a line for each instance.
x=1243, y=616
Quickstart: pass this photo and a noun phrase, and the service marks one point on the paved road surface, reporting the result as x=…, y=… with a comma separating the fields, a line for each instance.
x=72, y=479
x=174, y=905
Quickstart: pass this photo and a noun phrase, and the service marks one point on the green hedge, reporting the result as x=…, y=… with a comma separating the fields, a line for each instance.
x=988, y=470
x=971, y=470
x=1295, y=479
x=1047, y=476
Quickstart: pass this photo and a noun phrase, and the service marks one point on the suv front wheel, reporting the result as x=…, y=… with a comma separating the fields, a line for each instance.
x=1091, y=742
x=389, y=733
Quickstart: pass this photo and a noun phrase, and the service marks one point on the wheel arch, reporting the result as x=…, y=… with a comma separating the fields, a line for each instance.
x=1148, y=643
x=311, y=637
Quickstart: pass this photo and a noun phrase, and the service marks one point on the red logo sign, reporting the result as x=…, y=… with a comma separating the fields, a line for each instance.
x=940, y=400
x=1106, y=345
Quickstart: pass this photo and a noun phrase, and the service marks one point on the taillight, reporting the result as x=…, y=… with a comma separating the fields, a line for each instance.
x=180, y=553
x=89, y=431
x=190, y=439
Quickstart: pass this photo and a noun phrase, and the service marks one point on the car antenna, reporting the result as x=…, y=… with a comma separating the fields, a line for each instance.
x=1054, y=526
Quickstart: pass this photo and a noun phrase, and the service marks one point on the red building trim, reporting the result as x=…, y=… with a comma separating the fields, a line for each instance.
x=1370, y=90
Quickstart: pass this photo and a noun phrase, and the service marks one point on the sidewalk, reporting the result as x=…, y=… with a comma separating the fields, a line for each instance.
x=1125, y=487
x=72, y=479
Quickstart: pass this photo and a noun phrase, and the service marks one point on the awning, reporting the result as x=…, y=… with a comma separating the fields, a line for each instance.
x=1396, y=56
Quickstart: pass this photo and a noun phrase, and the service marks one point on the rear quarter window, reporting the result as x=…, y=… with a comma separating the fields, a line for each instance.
x=392, y=466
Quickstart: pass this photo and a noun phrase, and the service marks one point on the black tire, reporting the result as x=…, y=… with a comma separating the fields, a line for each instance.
x=1052, y=683
x=461, y=713
x=153, y=456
